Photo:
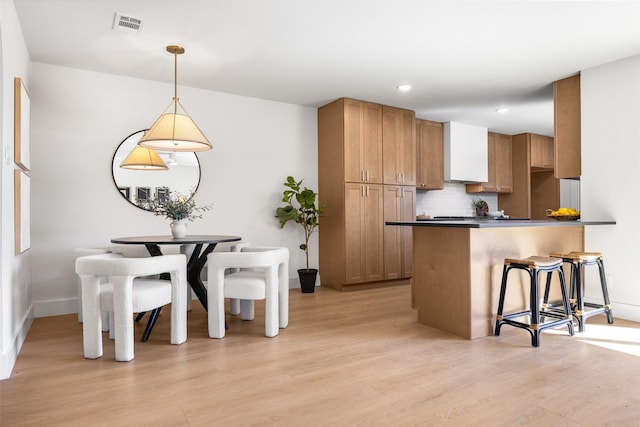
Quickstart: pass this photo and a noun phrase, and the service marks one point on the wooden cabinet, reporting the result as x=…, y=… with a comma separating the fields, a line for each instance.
x=534, y=190
x=362, y=128
x=364, y=219
x=541, y=152
x=500, y=168
x=350, y=175
x=429, y=155
x=399, y=146
x=399, y=205
x=566, y=125
x=503, y=167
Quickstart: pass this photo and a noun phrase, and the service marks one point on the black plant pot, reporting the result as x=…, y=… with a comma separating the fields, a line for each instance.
x=307, y=279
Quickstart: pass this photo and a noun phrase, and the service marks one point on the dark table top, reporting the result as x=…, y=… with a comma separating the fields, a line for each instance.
x=491, y=223
x=170, y=240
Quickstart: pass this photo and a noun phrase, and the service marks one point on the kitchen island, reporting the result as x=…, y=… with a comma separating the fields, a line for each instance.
x=457, y=266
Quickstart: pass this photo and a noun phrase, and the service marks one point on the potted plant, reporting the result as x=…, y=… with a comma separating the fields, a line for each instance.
x=178, y=208
x=301, y=207
x=481, y=206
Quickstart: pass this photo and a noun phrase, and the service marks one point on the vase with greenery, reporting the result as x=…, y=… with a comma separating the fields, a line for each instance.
x=177, y=207
x=481, y=206
x=301, y=207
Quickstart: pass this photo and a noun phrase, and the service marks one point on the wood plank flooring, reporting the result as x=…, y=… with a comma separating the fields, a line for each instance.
x=347, y=359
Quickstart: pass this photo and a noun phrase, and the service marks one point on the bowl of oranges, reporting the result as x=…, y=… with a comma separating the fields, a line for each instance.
x=564, y=214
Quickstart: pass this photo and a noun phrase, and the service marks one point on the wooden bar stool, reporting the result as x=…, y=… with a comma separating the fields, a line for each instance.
x=534, y=265
x=578, y=261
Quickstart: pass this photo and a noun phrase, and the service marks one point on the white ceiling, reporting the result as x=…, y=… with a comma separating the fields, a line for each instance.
x=463, y=58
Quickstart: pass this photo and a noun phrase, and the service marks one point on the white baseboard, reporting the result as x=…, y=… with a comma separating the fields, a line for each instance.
x=70, y=305
x=55, y=307
x=626, y=312
x=8, y=358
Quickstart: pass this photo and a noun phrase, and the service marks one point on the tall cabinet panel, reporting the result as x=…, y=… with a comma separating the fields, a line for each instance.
x=567, y=128
x=399, y=205
x=399, y=146
x=353, y=151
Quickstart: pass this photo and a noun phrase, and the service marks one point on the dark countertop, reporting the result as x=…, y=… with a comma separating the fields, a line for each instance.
x=493, y=223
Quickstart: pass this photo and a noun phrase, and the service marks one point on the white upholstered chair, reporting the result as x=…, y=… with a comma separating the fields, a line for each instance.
x=257, y=274
x=123, y=296
x=80, y=252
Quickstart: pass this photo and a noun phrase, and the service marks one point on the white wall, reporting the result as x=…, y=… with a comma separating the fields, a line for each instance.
x=16, y=312
x=610, y=175
x=80, y=117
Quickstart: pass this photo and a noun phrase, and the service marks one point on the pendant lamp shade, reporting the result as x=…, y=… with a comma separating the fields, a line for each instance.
x=145, y=159
x=176, y=130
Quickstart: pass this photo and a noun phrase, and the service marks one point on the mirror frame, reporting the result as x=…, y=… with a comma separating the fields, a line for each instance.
x=113, y=159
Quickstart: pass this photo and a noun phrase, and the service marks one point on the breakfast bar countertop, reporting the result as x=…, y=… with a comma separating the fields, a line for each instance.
x=499, y=223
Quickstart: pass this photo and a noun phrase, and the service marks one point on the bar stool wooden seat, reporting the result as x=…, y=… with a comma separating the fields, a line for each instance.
x=578, y=261
x=534, y=265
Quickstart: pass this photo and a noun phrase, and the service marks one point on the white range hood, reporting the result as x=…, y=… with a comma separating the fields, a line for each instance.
x=465, y=153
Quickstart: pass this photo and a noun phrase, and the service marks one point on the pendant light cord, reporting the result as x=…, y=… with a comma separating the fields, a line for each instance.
x=175, y=82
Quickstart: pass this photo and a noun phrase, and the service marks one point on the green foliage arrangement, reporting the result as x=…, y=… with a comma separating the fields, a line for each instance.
x=300, y=207
x=177, y=207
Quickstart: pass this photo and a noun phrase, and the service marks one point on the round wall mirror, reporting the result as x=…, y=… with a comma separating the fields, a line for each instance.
x=139, y=186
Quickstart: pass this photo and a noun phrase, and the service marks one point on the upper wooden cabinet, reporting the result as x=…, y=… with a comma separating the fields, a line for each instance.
x=568, y=151
x=361, y=130
x=500, y=169
x=399, y=146
x=542, y=156
x=429, y=155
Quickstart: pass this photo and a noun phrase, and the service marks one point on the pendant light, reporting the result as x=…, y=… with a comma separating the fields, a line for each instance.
x=174, y=130
x=143, y=158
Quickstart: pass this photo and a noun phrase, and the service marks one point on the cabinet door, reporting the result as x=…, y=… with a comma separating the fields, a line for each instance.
x=429, y=155
x=541, y=152
x=500, y=168
x=362, y=141
x=407, y=213
x=491, y=185
x=503, y=164
x=372, y=142
x=363, y=233
x=399, y=205
x=399, y=146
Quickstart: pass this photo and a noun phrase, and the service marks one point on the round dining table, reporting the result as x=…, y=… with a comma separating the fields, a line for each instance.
x=196, y=263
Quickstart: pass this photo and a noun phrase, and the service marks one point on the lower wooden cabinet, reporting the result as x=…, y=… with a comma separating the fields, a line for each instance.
x=364, y=219
x=399, y=205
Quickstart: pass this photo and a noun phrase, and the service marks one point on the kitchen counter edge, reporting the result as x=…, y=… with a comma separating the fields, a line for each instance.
x=484, y=223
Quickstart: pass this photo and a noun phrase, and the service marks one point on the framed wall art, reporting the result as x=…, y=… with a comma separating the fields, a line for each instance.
x=143, y=194
x=22, y=124
x=22, y=212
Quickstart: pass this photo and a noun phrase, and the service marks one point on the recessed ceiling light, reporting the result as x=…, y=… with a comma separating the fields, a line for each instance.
x=502, y=110
x=404, y=88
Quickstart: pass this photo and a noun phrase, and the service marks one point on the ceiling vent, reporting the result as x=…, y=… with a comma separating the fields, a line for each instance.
x=127, y=23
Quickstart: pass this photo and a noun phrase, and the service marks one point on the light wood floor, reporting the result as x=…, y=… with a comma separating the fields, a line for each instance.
x=347, y=359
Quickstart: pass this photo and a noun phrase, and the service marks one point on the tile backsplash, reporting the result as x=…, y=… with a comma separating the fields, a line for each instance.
x=453, y=200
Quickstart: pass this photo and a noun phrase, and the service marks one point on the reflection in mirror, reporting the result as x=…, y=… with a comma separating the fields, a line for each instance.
x=138, y=186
